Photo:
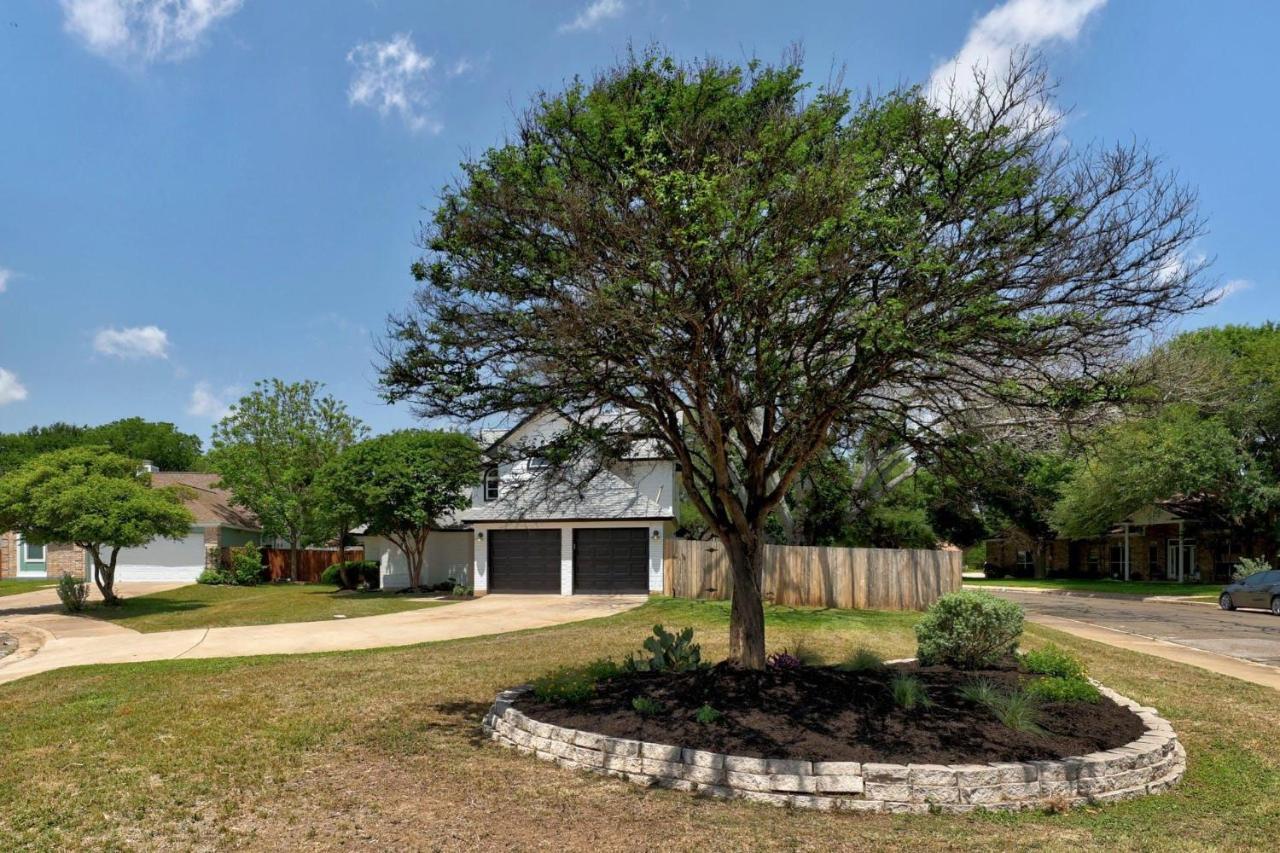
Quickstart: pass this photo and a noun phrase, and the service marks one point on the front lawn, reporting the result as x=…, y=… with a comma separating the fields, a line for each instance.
x=382, y=749
x=1104, y=585
x=203, y=606
x=17, y=586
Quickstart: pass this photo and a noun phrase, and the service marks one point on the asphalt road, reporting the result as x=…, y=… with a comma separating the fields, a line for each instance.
x=1247, y=635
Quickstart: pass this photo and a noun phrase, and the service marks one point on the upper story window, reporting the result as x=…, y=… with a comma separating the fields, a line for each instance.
x=491, y=484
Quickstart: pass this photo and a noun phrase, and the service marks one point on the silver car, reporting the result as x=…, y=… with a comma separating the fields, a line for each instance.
x=1261, y=590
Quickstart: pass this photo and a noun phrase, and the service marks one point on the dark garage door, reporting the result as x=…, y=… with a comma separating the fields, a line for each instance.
x=611, y=559
x=524, y=561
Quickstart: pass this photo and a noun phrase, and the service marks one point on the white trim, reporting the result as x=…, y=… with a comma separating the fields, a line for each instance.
x=656, y=533
x=22, y=571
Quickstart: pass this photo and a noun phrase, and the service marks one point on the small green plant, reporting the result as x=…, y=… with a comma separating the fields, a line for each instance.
x=668, y=652
x=807, y=654
x=863, y=659
x=1054, y=688
x=461, y=591
x=601, y=669
x=1249, y=566
x=968, y=630
x=1054, y=661
x=332, y=575
x=707, y=715
x=214, y=577
x=981, y=691
x=246, y=565
x=73, y=592
x=564, y=686
x=1018, y=710
x=646, y=707
x=909, y=692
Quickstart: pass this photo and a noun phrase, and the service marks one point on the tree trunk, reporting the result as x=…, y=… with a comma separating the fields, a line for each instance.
x=746, y=614
x=104, y=576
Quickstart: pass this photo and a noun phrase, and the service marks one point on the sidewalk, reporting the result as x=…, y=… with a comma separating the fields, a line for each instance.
x=76, y=641
x=1114, y=596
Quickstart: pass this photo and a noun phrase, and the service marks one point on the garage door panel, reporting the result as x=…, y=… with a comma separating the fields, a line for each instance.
x=163, y=560
x=524, y=561
x=611, y=560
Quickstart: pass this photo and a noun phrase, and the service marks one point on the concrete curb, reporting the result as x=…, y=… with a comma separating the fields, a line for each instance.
x=1151, y=764
x=1074, y=593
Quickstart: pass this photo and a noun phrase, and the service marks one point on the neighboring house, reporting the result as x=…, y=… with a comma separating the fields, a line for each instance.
x=527, y=531
x=1155, y=543
x=217, y=525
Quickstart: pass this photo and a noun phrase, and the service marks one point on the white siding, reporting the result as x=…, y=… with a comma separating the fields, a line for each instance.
x=448, y=555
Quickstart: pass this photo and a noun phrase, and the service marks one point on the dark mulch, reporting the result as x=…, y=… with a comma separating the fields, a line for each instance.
x=821, y=713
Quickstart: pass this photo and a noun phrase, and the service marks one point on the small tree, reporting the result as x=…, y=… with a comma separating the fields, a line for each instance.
x=94, y=498
x=401, y=484
x=269, y=450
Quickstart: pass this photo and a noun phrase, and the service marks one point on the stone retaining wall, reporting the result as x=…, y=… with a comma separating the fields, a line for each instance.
x=1149, y=765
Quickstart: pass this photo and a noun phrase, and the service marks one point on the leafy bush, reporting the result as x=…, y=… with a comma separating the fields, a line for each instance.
x=909, y=693
x=968, y=630
x=353, y=574
x=646, y=707
x=783, y=660
x=707, y=715
x=73, y=592
x=1055, y=688
x=565, y=686
x=214, y=577
x=1249, y=566
x=862, y=659
x=332, y=575
x=1017, y=710
x=460, y=591
x=1054, y=661
x=981, y=691
x=246, y=565
x=668, y=652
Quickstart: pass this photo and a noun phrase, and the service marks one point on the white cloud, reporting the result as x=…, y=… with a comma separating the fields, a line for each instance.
x=462, y=66
x=209, y=402
x=593, y=15
x=133, y=342
x=144, y=30
x=393, y=77
x=6, y=276
x=1229, y=288
x=994, y=39
x=11, y=390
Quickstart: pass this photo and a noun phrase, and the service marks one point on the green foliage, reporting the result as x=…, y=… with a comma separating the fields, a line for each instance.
x=1056, y=688
x=246, y=565
x=135, y=438
x=647, y=707
x=269, y=451
x=94, y=498
x=461, y=591
x=73, y=592
x=1051, y=660
x=968, y=630
x=353, y=574
x=215, y=577
x=565, y=686
x=707, y=715
x=862, y=659
x=981, y=691
x=332, y=575
x=1249, y=566
x=908, y=692
x=1017, y=709
x=400, y=484
x=668, y=652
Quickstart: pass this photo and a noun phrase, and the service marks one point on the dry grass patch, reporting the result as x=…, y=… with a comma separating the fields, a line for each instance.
x=383, y=750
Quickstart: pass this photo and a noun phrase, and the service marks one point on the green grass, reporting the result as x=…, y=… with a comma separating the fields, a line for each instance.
x=203, y=606
x=383, y=748
x=17, y=586
x=1197, y=590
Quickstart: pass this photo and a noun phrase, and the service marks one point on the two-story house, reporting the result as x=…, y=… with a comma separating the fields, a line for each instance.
x=531, y=531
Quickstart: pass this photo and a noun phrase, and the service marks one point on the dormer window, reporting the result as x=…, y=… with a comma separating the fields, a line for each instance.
x=491, y=484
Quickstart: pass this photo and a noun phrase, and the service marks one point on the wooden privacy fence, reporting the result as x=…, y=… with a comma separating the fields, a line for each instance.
x=311, y=561
x=853, y=578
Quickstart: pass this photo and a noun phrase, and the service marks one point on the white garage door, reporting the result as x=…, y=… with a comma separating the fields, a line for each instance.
x=163, y=560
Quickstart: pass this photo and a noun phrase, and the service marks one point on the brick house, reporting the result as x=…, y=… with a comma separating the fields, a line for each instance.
x=1155, y=543
x=218, y=525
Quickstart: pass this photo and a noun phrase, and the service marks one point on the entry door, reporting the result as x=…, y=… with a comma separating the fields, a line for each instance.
x=1185, y=569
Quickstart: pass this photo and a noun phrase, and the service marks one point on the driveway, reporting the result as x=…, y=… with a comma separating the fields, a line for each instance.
x=1244, y=644
x=75, y=641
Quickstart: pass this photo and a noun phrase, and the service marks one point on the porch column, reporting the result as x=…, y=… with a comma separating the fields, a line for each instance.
x=1180, y=575
x=1126, y=551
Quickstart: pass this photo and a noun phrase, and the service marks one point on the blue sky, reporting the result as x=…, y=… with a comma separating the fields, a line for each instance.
x=195, y=194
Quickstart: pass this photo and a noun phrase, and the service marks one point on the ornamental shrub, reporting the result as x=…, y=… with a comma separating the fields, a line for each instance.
x=73, y=592
x=1055, y=688
x=1054, y=661
x=332, y=575
x=246, y=565
x=908, y=692
x=783, y=660
x=646, y=707
x=968, y=630
x=214, y=577
x=564, y=686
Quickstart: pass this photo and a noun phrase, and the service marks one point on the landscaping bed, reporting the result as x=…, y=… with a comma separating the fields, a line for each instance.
x=826, y=714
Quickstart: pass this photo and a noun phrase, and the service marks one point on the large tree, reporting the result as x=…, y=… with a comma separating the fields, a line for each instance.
x=715, y=259
x=94, y=498
x=269, y=450
x=159, y=442
x=402, y=484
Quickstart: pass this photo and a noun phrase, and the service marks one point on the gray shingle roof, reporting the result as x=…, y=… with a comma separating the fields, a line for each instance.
x=605, y=497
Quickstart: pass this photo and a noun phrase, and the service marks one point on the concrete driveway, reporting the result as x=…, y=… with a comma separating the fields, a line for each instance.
x=1244, y=644
x=77, y=640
